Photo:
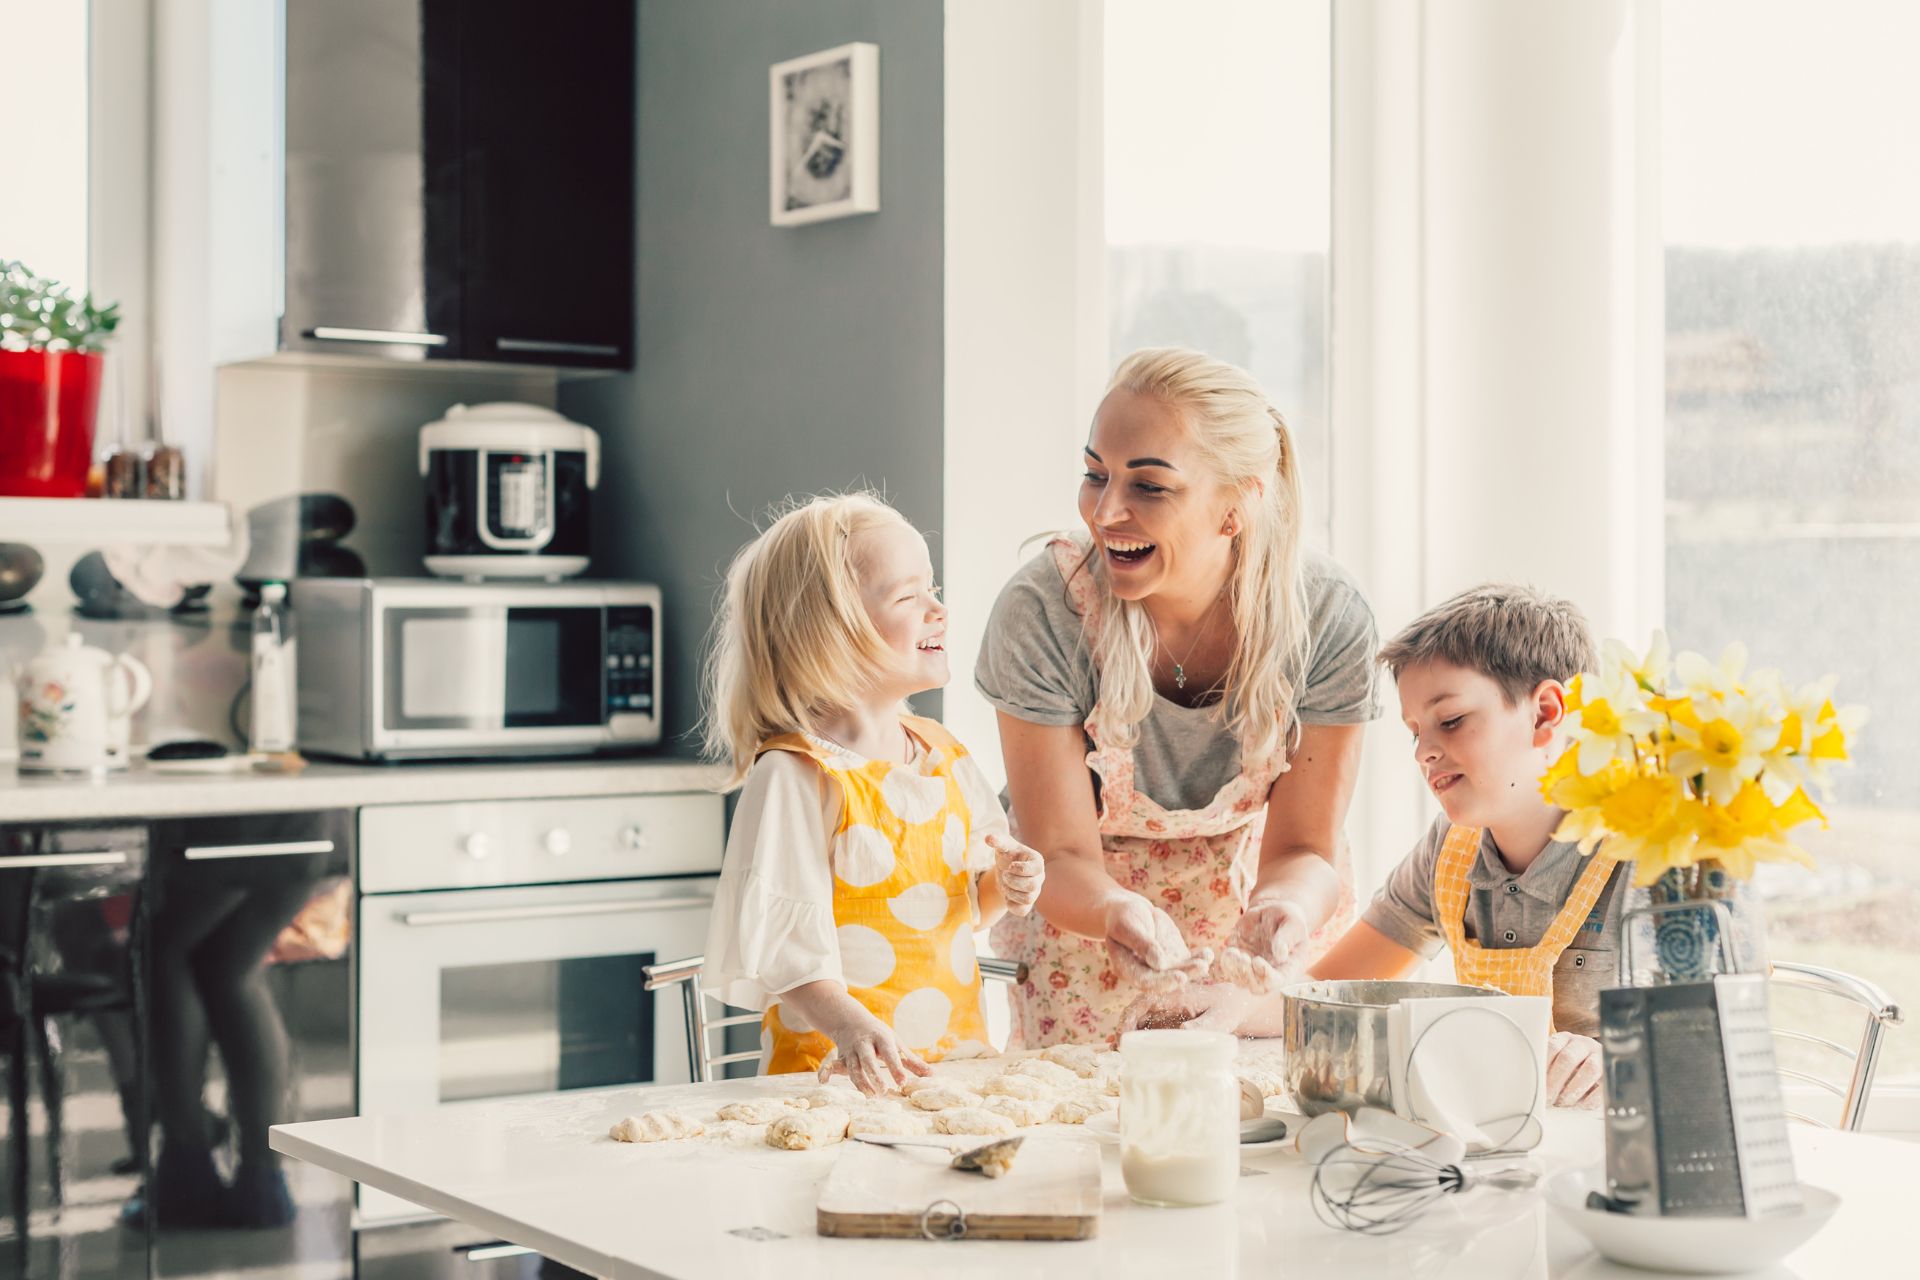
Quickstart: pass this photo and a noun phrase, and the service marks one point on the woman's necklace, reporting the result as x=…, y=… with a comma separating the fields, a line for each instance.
x=1180, y=664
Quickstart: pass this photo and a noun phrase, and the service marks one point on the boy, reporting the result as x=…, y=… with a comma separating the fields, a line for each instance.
x=1482, y=681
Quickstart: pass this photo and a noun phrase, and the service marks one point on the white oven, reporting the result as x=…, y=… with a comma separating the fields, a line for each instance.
x=501, y=943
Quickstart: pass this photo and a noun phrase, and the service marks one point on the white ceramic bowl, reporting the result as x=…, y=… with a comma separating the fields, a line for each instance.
x=1698, y=1246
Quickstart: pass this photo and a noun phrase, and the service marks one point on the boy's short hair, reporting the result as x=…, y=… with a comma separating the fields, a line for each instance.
x=1512, y=634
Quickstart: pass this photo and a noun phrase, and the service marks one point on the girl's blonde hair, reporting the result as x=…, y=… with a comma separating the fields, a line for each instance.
x=1246, y=444
x=792, y=642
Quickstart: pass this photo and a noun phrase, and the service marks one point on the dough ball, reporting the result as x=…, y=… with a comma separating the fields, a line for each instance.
x=1021, y=1111
x=830, y=1097
x=805, y=1130
x=1078, y=1108
x=891, y=1122
x=761, y=1110
x=656, y=1126
x=1077, y=1058
x=1012, y=1086
x=1253, y=1103
x=944, y=1097
x=973, y=1120
x=1045, y=1072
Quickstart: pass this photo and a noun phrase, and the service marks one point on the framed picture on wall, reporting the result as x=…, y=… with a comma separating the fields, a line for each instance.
x=825, y=135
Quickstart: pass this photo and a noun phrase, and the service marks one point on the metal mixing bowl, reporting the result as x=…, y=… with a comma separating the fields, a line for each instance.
x=1335, y=1036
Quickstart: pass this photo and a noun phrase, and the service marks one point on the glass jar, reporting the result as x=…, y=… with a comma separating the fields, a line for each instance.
x=1179, y=1116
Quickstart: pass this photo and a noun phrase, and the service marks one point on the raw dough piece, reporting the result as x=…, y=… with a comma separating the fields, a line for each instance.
x=762, y=1110
x=1078, y=1108
x=1023, y=1112
x=1077, y=1058
x=1045, y=1072
x=944, y=1097
x=804, y=1130
x=831, y=1097
x=1265, y=1073
x=656, y=1126
x=915, y=1084
x=891, y=1122
x=1246, y=970
x=972, y=1120
x=1013, y=1086
x=1253, y=1103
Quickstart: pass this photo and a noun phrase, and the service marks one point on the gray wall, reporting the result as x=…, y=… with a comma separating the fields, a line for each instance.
x=772, y=360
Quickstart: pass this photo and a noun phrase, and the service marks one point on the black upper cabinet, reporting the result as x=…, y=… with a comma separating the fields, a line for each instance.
x=460, y=180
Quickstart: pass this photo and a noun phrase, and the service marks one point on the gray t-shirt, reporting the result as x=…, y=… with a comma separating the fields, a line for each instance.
x=1034, y=665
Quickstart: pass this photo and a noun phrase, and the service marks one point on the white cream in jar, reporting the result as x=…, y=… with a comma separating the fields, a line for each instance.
x=1179, y=1116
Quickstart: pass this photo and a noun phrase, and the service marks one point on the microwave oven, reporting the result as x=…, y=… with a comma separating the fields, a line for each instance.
x=422, y=668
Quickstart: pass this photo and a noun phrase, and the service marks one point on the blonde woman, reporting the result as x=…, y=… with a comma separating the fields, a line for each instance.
x=1181, y=696
x=866, y=846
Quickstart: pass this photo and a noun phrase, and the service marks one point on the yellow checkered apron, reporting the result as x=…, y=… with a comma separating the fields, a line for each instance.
x=902, y=910
x=1518, y=971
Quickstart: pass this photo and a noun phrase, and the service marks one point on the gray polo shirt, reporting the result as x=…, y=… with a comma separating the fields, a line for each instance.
x=1509, y=909
x=1034, y=665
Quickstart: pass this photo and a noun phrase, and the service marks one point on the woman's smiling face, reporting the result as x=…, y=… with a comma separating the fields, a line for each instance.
x=1160, y=521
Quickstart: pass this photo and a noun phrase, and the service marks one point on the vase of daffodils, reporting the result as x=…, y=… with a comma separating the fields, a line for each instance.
x=1696, y=772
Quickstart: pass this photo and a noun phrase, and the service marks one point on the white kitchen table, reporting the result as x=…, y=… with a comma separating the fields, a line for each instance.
x=541, y=1172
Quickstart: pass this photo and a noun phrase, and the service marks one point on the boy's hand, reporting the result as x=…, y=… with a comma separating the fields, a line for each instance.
x=1272, y=930
x=868, y=1052
x=1575, y=1071
x=1022, y=871
x=1193, y=1006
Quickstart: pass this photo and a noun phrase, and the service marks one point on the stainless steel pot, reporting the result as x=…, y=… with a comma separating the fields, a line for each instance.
x=1335, y=1036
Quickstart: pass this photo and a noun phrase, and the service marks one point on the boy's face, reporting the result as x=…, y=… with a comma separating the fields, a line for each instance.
x=896, y=585
x=1481, y=755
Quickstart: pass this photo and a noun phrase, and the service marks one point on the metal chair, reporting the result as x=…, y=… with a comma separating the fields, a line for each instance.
x=1881, y=1012
x=701, y=1058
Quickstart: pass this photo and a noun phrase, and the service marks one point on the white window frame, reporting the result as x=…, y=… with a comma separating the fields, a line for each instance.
x=120, y=184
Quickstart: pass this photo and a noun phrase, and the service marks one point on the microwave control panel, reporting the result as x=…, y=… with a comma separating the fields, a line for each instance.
x=630, y=660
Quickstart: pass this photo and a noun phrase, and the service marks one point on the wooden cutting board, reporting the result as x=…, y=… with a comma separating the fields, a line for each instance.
x=1051, y=1193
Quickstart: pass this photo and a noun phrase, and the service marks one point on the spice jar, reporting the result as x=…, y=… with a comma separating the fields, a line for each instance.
x=166, y=472
x=1179, y=1116
x=125, y=473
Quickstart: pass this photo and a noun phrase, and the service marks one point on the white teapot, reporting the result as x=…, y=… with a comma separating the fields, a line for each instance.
x=74, y=704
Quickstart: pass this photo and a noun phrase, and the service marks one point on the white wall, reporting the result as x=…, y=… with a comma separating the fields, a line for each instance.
x=1025, y=314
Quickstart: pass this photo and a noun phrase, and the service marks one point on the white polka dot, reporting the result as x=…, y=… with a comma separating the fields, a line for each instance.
x=793, y=1020
x=866, y=957
x=912, y=797
x=961, y=957
x=920, y=1019
x=865, y=856
x=953, y=844
x=921, y=907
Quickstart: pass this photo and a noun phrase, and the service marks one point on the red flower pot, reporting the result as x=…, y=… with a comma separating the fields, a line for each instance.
x=48, y=400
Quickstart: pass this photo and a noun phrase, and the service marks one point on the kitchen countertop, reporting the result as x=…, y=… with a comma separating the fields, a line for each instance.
x=144, y=793
x=541, y=1172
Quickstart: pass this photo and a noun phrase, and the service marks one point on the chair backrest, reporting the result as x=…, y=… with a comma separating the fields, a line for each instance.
x=703, y=1055
x=1879, y=1012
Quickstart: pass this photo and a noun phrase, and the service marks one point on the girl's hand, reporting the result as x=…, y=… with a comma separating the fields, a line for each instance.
x=1575, y=1071
x=1021, y=872
x=1272, y=930
x=1145, y=947
x=866, y=1050
x=1194, y=1006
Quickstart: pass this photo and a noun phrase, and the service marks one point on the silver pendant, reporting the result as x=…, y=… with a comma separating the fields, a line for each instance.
x=1179, y=676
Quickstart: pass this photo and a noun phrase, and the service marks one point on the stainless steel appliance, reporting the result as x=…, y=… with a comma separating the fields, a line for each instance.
x=415, y=668
x=509, y=492
x=501, y=944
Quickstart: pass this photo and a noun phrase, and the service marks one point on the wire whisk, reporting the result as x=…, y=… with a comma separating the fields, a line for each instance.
x=1382, y=1186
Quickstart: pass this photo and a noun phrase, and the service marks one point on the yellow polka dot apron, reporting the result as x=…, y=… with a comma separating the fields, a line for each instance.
x=1518, y=971
x=903, y=910
x=1198, y=865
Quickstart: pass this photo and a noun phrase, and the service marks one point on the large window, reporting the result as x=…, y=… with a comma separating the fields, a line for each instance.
x=43, y=147
x=1217, y=163
x=1792, y=215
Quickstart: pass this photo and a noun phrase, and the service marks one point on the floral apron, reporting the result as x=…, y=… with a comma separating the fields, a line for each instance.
x=1518, y=971
x=903, y=906
x=1198, y=865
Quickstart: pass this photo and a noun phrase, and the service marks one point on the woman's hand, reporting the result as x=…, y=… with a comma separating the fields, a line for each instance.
x=1145, y=946
x=1194, y=1006
x=1273, y=930
x=1575, y=1071
x=1021, y=872
x=866, y=1050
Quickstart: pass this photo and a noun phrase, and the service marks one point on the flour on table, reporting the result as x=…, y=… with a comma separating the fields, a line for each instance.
x=656, y=1126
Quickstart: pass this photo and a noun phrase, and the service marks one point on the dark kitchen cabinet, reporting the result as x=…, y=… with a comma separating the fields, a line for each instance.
x=460, y=180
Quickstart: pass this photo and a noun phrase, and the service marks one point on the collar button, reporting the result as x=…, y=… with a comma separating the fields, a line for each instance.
x=1510, y=935
x=1512, y=887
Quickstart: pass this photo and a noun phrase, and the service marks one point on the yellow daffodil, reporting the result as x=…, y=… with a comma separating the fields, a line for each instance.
x=1608, y=719
x=1726, y=748
x=1649, y=672
x=1702, y=676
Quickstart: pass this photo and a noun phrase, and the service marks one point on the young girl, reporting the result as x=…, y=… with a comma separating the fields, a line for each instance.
x=866, y=844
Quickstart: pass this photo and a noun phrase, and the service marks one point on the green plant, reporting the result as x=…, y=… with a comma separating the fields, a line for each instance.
x=37, y=314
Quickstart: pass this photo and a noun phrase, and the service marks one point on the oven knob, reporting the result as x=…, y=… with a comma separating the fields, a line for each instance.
x=557, y=841
x=634, y=836
x=477, y=846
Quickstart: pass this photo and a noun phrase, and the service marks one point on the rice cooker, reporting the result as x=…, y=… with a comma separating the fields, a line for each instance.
x=508, y=492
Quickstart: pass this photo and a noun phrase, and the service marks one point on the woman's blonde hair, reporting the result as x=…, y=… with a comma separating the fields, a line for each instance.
x=792, y=642
x=1245, y=443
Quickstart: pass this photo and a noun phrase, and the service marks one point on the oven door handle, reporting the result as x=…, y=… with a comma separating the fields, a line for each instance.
x=496, y=915
x=279, y=849
x=103, y=858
